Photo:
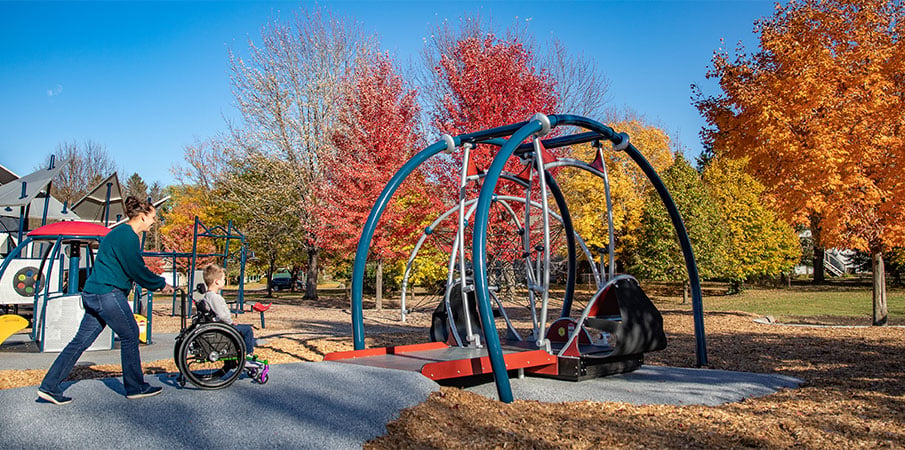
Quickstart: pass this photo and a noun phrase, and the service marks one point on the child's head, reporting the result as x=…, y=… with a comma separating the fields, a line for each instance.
x=212, y=274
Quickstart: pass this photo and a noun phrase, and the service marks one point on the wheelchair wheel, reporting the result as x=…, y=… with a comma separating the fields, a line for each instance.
x=211, y=356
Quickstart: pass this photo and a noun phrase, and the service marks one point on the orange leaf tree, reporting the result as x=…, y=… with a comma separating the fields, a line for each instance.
x=819, y=111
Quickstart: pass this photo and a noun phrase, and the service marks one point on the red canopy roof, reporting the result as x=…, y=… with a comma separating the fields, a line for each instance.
x=73, y=228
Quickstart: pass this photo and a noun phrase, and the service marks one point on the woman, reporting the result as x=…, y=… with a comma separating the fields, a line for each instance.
x=118, y=264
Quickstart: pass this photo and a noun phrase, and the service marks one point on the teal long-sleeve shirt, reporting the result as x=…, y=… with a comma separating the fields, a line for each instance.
x=119, y=263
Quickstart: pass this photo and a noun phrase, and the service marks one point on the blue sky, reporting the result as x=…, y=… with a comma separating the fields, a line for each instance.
x=145, y=79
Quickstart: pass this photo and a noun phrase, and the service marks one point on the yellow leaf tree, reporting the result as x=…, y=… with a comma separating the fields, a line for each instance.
x=819, y=110
x=758, y=243
x=584, y=192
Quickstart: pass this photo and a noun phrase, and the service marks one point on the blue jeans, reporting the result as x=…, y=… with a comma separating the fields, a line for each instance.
x=111, y=309
x=248, y=335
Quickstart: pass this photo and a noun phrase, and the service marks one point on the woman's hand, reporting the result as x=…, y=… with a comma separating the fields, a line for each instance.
x=167, y=290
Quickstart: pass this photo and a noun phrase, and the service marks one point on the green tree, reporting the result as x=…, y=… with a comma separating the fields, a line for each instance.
x=658, y=255
x=246, y=190
x=136, y=187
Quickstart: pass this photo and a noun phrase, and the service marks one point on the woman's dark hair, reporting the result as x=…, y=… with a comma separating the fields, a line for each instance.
x=134, y=207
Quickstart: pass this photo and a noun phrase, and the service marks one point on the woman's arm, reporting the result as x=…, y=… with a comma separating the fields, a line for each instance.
x=133, y=264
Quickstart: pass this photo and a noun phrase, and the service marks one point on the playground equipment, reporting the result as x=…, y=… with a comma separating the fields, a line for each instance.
x=628, y=323
x=28, y=198
x=200, y=230
x=261, y=309
x=11, y=324
x=53, y=281
x=210, y=354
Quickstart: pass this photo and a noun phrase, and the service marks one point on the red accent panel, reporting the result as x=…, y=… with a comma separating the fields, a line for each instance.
x=562, y=328
x=552, y=369
x=260, y=307
x=606, y=305
x=597, y=163
x=476, y=366
x=472, y=168
x=384, y=351
x=547, y=154
x=73, y=228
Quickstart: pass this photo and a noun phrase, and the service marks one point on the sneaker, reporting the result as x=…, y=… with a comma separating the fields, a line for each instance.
x=54, y=398
x=149, y=391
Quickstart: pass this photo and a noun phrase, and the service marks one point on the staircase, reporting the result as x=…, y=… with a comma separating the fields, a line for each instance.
x=833, y=264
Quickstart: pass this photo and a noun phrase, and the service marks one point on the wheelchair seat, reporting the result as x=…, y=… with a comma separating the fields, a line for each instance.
x=203, y=313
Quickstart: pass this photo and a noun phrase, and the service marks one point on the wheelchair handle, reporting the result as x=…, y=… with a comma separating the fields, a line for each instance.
x=182, y=311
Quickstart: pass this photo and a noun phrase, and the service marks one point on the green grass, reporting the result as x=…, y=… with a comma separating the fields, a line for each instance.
x=806, y=302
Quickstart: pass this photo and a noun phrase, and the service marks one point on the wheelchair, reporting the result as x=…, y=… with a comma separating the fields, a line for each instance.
x=211, y=354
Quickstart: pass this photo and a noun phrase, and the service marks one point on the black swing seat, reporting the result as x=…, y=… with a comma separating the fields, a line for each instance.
x=640, y=329
x=635, y=327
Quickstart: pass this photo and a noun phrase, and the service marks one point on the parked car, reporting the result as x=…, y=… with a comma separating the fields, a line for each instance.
x=280, y=281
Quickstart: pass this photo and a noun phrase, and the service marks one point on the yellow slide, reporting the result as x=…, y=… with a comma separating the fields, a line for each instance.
x=10, y=324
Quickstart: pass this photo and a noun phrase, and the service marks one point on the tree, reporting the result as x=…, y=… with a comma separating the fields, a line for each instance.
x=288, y=91
x=136, y=187
x=581, y=88
x=483, y=81
x=83, y=167
x=178, y=221
x=246, y=190
x=585, y=193
x=658, y=255
x=205, y=163
x=757, y=242
x=156, y=192
x=820, y=112
x=378, y=132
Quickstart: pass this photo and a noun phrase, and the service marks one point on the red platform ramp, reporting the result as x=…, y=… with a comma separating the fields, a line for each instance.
x=439, y=361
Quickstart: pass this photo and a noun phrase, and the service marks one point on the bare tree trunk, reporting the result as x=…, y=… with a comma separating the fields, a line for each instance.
x=686, y=285
x=819, y=277
x=379, y=304
x=294, y=276
x=270, y=270
x=818, y=251
x=311, y=282
x=879, y=277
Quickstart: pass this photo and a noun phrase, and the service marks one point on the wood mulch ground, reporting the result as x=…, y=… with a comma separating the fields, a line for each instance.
x=854, y=395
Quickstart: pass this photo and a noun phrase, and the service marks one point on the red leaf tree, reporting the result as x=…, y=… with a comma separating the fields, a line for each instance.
x=378, y=134
x=486, y=82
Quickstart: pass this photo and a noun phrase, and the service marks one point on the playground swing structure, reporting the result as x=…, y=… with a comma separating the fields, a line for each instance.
x=520, y=267
x=452, y=319
x=565, y=349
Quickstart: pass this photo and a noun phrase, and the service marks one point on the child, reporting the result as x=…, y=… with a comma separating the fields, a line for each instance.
x=215, y=279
